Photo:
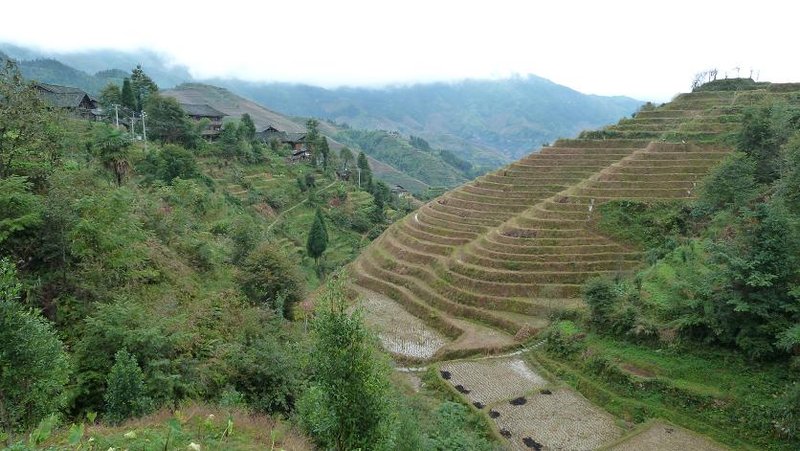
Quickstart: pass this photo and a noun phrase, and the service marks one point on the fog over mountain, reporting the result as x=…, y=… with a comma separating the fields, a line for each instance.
x=486, y=122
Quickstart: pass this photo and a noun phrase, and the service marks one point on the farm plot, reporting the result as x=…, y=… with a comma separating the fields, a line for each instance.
x=661, y=436
x=400, y=332
x=491, y=380
x=561, y=419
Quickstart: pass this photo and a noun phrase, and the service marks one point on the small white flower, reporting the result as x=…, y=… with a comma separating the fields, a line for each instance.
x=194, y=446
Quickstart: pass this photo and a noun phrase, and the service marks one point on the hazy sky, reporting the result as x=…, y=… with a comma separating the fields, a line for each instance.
x=644, y=49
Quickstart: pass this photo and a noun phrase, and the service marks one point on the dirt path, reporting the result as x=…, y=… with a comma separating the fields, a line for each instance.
x=280, y=215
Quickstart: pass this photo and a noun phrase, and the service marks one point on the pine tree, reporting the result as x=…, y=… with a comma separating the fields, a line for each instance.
x=142, y=86
x=366, y=172
x=317, y=237
x=324, y=151
x=128, y=99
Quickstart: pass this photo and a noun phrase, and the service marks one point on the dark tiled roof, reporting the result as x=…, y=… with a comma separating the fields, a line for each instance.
x=201, y=110
x=295, y=137
x=62, y=96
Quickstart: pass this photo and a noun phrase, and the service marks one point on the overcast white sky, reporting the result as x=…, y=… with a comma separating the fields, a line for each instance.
x=643, y=49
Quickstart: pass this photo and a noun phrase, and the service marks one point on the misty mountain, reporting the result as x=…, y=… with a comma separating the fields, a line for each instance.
x=95, y=62
x=485, y=121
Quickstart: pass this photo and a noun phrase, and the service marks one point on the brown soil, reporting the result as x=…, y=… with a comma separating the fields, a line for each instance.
x=641, y=372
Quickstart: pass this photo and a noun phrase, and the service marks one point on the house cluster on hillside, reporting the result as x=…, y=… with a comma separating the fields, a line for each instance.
x=295, y=141
x=79, y=103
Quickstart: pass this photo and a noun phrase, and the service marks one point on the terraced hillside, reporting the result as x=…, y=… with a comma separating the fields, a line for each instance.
x=498, y=254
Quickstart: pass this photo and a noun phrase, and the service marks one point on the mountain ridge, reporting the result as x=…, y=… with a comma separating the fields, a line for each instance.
x=486, y=122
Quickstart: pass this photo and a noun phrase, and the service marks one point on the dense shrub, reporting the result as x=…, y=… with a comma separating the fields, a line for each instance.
x=35, y=368
x=269, y=278
x=125, y=393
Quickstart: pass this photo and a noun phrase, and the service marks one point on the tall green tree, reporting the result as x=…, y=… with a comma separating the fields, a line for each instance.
x=247, y=129
x=126, y=97
x=312, y=138
x=143, y=86
x=317, y=237
x=20, y=210
x=31, y=135
x=229, y=140
x=125, y=392
x=113, y=148
x=758, y=301
x=366, y=171
x=110, y=95
x=324, y=151
x=348, y=405
x=346, y=155
x=33, y=365
x=167, y=122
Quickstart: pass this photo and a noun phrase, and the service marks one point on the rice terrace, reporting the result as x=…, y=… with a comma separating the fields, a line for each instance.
x=374, y=226
x=497, y=258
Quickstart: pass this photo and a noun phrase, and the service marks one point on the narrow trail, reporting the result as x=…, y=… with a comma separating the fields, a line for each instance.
x=280, y=215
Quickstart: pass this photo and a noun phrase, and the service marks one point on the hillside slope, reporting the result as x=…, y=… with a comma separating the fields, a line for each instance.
x=486, y=264
x=235, y=106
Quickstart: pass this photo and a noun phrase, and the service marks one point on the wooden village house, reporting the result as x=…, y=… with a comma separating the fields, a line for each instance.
x=295, y=141
x=73, y=100
x=198, y=112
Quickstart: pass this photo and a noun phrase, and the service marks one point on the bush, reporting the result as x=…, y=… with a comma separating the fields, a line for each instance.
x=449, y=432
x=348, y=405
x=601, y=296
x=34, y=366
x=731, y=185
x=270, y=278
x=265, y=375
x=125, y=395
x=563, y=339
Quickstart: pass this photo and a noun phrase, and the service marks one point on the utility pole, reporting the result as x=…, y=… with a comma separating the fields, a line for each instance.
x=144, y=130
x=116, y=115
x=359, y=177
x=133, y=126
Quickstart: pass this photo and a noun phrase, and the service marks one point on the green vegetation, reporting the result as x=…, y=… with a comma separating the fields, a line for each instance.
x=346, y=406
x=707, y=335
x=166, y=282
x=35, y=366
x=427, y=165
x=317, y=237
x=125, y=396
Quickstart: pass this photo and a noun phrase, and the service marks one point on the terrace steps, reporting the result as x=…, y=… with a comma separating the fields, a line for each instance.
x=518, y=242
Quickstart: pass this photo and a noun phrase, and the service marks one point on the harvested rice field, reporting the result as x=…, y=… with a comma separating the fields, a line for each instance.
x=491, y=380
x=399, y=332
x=561, y=420
x=660, y=436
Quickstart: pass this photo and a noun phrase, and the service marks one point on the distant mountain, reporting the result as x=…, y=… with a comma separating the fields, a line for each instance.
x=486, y=121
x=165, y=74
